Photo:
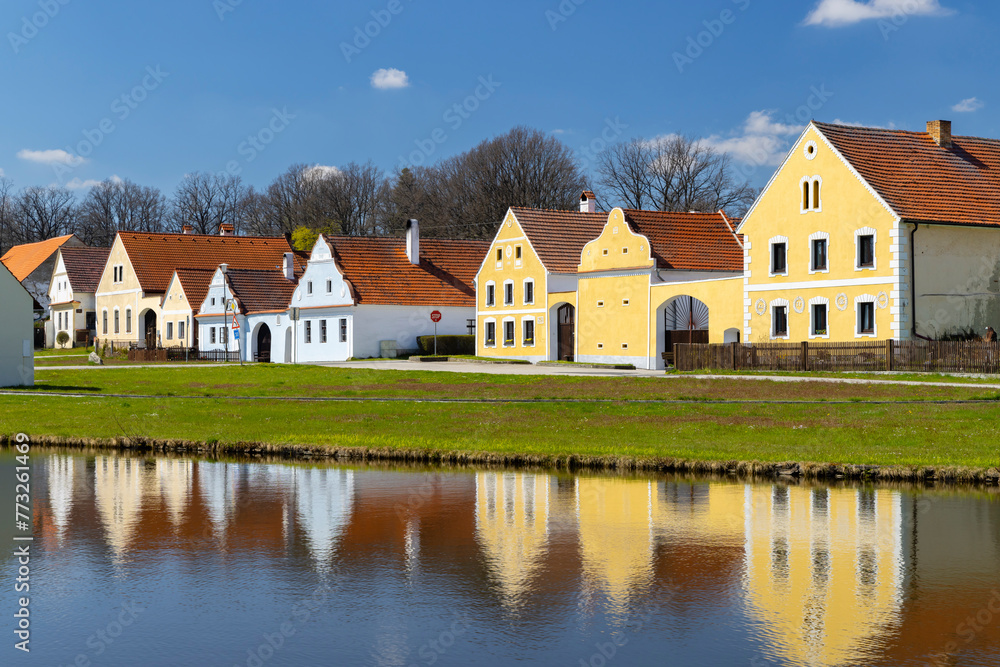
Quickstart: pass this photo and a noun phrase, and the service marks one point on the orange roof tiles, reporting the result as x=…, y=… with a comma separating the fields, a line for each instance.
x=920, y=180
x=84, y=267
x=155, y=256
x=22, y=260
x=679, y=241
x=260, y=291
x=381, y=274
x=195, y=283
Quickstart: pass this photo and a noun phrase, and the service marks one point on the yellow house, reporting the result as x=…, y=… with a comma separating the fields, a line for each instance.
x=618, y=287
x=852, y=214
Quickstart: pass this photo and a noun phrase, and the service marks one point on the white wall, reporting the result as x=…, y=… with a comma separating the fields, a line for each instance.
x=17, y=349
x=333, y=349
x=403, y=324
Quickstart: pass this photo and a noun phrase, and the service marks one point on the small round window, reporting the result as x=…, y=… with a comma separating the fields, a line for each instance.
x=810, y=150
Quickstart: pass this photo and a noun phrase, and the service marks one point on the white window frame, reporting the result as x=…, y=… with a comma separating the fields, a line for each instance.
x=486, y=330
x=819, y=301
x=518, y=260
x=309, y=287
x=117, y=321
x=770, y=260
x=819, y=236
x=170, y=330
x=781, y=303
x=499, y=254
x=513, y=341
x=180, y=330
x=524, y=291
x=128, y=320
x=814, y=206
x=104, y=321
x=329, y=286
x=858, y=300
x=323, y=332
x=212, y=337
x=342, y=327
x=865, y=231
x=506, y=284
x=307, y=333
x=524, y=337
x=490, y=303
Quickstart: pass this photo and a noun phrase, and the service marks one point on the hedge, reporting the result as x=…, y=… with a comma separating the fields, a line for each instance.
x=448, y=345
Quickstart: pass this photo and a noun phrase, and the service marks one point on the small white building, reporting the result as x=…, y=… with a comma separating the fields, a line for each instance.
x=72, y=290
x=17, y=348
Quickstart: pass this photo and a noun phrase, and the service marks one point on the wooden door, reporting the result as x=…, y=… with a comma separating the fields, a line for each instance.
x=567, y=332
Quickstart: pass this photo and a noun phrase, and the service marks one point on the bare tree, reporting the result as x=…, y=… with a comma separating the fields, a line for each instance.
x=672, y=173
x=8, y=217
x=351, y=199
x=120, y=205
x=44, y=213
x=207, y=201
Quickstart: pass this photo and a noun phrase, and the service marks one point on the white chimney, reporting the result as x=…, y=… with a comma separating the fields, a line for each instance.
x=588, y=202
x=223, y=267
x=187, y=229
x=413, y=241
x=226, y=229
x=289, y=266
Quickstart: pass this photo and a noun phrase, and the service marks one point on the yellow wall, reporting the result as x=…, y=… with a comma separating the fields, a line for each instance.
x=509, y=238
x=123, y=295
x=177, y=309
x=847, y=206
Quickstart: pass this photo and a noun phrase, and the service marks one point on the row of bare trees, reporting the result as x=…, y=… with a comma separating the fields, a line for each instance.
x=463, y=196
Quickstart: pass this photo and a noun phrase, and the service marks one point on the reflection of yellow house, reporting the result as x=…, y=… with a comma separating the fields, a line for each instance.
x=512, y=526
x=618, y=287
x=175, y=478
x=120, y=484
x=824, y=570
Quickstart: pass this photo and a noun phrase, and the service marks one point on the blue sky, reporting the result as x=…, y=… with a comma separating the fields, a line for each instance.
x=154, y=90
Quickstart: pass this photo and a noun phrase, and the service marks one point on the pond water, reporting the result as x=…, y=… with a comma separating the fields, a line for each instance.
x=174, y=561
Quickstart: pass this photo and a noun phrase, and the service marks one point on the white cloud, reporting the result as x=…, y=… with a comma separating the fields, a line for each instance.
x=388, y=79
x=50, y=157
x=850, y=123
x=761, y=140
x=1, y=173
x=319, y=172
x=968, y=106
x=78, y=184
x=838, y=13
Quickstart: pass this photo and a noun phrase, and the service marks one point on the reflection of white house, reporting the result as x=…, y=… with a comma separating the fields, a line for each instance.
x=324, y=499
x=119, y=487
x=218, y=490
x=357, y=298
x=61, y=487
x=17, y=345
x=72, y=291
x=512, y=526
x=175, y=478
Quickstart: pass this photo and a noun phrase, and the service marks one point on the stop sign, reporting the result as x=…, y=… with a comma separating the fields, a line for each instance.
x=436, y=316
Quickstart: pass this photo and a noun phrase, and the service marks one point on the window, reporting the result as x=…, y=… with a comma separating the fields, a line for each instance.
x=818, y=312
x=117, y=313
x=491, y=295
x=779, y=258
x=529, y=332
x=508, y=333
x=213, y=300
x=322, y=331
x=820, y=261
x=224, y=335
x=499, y=258
x=170, y=330
x=600, y=304
x=811, y=194
x=604, y=252
x=128, y=320
x=309, y=287
x=211, y=335
x=104, y=322
x=625, y=303
x=517, y=256
x=180, y=330
x=343, y=330
x=491, y=334
x=779, y=320
x=529, y=292
x=866, y=251
x=866, y=318
x=329, y=286
x=508, y=293
x=309, y=333
x=805, y=195
x=624, y=251
x=624, y=346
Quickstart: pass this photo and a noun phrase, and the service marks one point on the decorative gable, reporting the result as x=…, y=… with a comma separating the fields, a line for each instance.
x=618, y=247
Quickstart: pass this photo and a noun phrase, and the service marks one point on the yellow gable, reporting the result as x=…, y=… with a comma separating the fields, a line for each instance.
x=618, y=247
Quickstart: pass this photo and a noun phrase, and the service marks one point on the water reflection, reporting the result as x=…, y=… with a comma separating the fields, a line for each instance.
x=548, y=566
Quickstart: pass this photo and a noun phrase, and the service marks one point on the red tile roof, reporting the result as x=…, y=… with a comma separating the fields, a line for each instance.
x=260, y=291
x=155, y=256
x=558, y=237
x=22, y=260
x=195, y=283
x=679, y=241
x=84, y=267
x=381, y=274
x=922, y=181
x=690, y=241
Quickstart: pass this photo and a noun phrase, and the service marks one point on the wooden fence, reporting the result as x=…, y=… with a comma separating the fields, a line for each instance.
x=909, y=356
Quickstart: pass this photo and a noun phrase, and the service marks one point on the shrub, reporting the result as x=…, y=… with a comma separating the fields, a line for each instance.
x=448, y=345
x=62, y=338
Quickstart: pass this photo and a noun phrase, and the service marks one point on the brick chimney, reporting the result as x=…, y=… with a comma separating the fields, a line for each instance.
x=588, y=202
x=289, y=266
x=413, y=242
x=226, y=229
x=187, y=229
x=940, y=131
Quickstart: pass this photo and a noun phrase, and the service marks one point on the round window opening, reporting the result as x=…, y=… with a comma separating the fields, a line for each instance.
x=811, y=150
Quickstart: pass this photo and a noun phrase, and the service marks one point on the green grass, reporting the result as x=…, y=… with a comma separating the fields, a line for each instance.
x=939, y=435
x=900, y=377
x=59, y=352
